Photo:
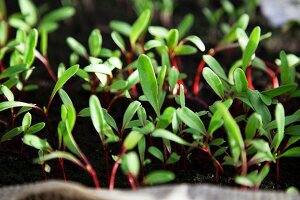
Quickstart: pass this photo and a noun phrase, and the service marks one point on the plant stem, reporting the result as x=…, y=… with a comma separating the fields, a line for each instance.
x=131, y=181
x=277, y=171
x=115, y=168
x=249, y=78
x=45, y=62
x=61, y=164
x=89, y=168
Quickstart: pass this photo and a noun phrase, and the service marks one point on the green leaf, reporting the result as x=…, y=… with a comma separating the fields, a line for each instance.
x=7, y=93
x=161, y=78
x=245, y=181
x=35, y=128
x=57, y=155
x=183, y=50
x=152, y=44
x=156, y=153
x=251, y=47
x=2, y=9
x=182, y=97
x=131, y=160
x=26, y=122
x=76, y=46
x=31, y=43
x=158, y=31
x=165, y=134
x=117, y=38
x=240, y=80
x=59, y=14
x=3, y=32
x=66, y=75
x=121, y=27
x=97, y=114
x=235, y=138
x=196, y=41
x=174, y=157
x=283, y=89
x=214, y=82
x=36, y=142
x=284, y=69
x=12, y=104
x=231, y=35
x=12, y=71
x=280, y=121
x=191, y=119
x=293, y=152
x=95, y=42
x=98, y=68
x=166, y=118
x=139, y=26
x=148, y=81
x=12, y=133
x=29, y=11
x=215, y=66
x=159, y=177
x=44, y=42
x=129, y=113
x=172, y=39
x=185, y=25
x=254, y=123
x=132, y=140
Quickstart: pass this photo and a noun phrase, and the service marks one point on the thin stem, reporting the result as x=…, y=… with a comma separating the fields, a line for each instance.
x=277, y=171
x=89, y=168
x=114, y=169
x=45, y=62
x=131, y=181
x=249, y=78
x=61, y=164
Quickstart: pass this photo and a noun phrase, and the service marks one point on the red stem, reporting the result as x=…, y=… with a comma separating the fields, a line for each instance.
x=199, y=73
x=114, y=169
x=131, y=181
x=249, y=78
x=61, y=164
x=45, y=61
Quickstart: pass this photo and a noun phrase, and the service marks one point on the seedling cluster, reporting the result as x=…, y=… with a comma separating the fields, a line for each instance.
x=244, y=128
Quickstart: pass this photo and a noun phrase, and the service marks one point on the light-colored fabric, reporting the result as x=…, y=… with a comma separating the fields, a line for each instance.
x=57, y=190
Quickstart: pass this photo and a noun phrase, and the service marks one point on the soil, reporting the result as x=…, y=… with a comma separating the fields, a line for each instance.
x=16, y=166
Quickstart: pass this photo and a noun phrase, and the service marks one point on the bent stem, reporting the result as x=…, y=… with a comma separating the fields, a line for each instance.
x=89, y=168
x=115, y=168
x=131, y=180
x=45, y=62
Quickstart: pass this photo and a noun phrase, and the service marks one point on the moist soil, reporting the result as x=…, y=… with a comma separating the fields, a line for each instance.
x=16, y=160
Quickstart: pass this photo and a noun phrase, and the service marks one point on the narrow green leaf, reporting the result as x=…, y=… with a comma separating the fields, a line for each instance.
x=159, y=177
x=120, y=27
x=59, y=14
x=156, y=153
x=12, y=104
x=36, y=128
x=66, y=75
x=117, y=38
x=152, y=44
x=231, y=35
x=280, y=121
x=26, y=122
x=185, y=25
x=158, y=31
x=30, y=47
x=29, y=11
x=7, y=93
x=235, y=138
x=165, y=134
x=132, y=140
x=196, y=41
x=97, y=114
x=191, y=119
x=215, y=66
x=172, y=38
x=3, y=32
x=44, y=42
x=13, y=70
x=148, y=81
x=129, y=113
x=284, y=69
x=12, y=133
x=60, y=154
x=139, y=26
x=251, y=47
x=183, y=50
x=95, y=42
x=174, y=157
x=76, y=46
x=214, y=82
x=98, y=68
x=253, y=124
x=161, y=77
x=283, y=89
x=292, y=152
x=182, y=97
x=36, y=142
x=2, y=9
x=240, y=80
